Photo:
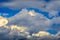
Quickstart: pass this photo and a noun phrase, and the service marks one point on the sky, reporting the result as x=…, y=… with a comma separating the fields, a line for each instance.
x=36, y=15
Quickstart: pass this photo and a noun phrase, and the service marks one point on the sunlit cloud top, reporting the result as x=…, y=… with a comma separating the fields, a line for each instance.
x=3, y=21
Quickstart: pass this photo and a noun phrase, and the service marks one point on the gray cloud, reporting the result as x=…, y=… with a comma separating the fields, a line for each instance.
x=7, y=34
x=51, y=7
x=55, y=23
x=24, y=4
x=37, y=22
x=56, y=20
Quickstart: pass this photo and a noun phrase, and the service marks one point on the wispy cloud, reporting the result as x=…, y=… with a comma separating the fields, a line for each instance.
x=51, y=7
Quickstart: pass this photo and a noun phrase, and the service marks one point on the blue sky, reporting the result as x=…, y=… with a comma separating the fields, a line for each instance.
x=10, y=12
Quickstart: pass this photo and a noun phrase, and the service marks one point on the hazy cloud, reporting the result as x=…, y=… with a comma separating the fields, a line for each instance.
x=51, y=7
x=55, y=23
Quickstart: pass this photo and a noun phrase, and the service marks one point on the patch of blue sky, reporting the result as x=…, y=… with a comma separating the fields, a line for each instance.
x=52, y=31
x=13, y=12
x=56, y=26
x=47, y=0
x=58, y=14
x=8, y=11
x=5, y=1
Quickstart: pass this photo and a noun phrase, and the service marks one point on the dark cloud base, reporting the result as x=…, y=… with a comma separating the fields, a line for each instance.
x=5, y=35
x=33, y=38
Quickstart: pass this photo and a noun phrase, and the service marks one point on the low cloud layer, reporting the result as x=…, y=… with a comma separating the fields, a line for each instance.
x=8, y=34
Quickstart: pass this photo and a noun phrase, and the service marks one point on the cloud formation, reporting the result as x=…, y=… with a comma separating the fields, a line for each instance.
x=8, y=34
x=13, y=32
x=41, y=34
x=33, y=21
x=36, y=22
x=52, y=7
x=21, y=32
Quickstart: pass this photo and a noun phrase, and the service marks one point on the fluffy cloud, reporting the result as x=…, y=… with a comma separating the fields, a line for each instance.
x=41, y=34
x=7, y=33
x=33, y=21
x=36, y=22
x=28, y=21
x=3, y=21
x=14, y=32
x=47, y=37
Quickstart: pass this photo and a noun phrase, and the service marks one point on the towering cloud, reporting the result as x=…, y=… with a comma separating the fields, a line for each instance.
x=32, y=20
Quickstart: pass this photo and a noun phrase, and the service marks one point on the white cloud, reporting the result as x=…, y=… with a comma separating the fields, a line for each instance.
x=41, y=34
x=3, y=21
x=48, y=37
x=32, y=13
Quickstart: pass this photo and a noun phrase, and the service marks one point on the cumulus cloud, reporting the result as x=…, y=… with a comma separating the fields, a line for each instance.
x=36, y=22
x=14, y=32
x=8, y=34
x=31, y=20
x=47, y=37
x=41, y=34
